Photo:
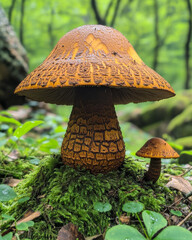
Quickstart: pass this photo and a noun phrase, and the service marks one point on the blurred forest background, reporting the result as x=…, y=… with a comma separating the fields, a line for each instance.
x=161, y=33
x=159, y=30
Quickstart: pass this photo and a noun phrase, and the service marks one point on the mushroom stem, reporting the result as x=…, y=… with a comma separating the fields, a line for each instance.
x=154, y=170
x=93, y=139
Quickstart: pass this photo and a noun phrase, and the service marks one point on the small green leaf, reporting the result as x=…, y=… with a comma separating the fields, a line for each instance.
x=49, y=145
x=24, y=226
x=2, y=134
x=25, y=128
x=153, y=222
x=14, y=138
x=123, y=232
x=4, y=127
x=3, y=142
x=174, y=233
x=6, y=193
x=102, y=207
x=7, y=236
x=53, y=150
x=30, y=140
x=7, y=217
x=60, y=129
x=177, y=213
x=34, y=161
x=133, y=207
x=30, y=223
x=23, y=199
x=10, y=131
x=9, y=120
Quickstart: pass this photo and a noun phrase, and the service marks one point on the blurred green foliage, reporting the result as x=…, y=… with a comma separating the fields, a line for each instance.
x=45, y=22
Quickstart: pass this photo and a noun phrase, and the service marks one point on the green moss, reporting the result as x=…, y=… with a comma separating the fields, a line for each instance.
x=15, y=168
x=185, y=158
x=186, y=142
x=173, y=169
x=64, y=194
x=180, y=126
x=163, y=110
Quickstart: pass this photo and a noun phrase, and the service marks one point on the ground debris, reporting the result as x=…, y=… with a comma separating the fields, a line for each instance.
x=14, y=155
x=181, y=184
x=12, y=182
x=21, y=114
x=96, y=237
x=29, y=216
x=70, y=232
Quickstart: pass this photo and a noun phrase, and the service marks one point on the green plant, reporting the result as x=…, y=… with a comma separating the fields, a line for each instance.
x=11, y=136
x=135, y=207
x=6, y=194
x=23, y=226
x=153, y=222
x=176, y=212
x=102, y=208
x=15, y=135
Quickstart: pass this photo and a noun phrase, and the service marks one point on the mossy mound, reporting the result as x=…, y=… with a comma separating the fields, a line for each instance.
x=63, y=194
x=185, y=158
x=180, y=126
x=14, y=168
x=155, y=117
x=186, y=142
x=163, y=110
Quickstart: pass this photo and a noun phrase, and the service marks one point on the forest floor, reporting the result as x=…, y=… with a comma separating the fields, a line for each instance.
x=49, y=195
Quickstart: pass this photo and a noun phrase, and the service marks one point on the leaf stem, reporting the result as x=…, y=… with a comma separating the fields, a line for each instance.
x=142, y=226
x=11, y=149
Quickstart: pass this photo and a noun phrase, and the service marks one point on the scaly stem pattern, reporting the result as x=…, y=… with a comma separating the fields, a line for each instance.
x=93, y=139
x=154, y=170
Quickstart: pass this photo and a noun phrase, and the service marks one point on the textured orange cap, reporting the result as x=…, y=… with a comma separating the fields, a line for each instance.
x=94, y=55
x=157, y=148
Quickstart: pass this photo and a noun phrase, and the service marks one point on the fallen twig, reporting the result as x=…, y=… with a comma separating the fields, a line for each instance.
x=180, y=223
x=182, y=174
x=178, y=200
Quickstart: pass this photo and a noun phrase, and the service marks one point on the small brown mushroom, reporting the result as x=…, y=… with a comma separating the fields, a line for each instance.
x=92, y=68
x=156, y=148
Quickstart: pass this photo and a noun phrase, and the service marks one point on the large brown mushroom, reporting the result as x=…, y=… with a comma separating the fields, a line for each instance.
x=92, y=68
x=156, y=148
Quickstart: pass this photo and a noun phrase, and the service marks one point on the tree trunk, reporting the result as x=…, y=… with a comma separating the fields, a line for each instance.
x=50, y=29
x=11, y=10
x=103, y=20
x=99, y=19
x=187, y=46
x=13, y=63
x=22, y=21
x=157, y=38
x=115, y=13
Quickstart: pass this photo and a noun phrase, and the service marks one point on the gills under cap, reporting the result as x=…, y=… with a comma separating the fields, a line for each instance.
x=89, y=56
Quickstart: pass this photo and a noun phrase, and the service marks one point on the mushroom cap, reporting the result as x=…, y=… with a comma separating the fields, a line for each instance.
x=157, y=148
x=89, y=56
